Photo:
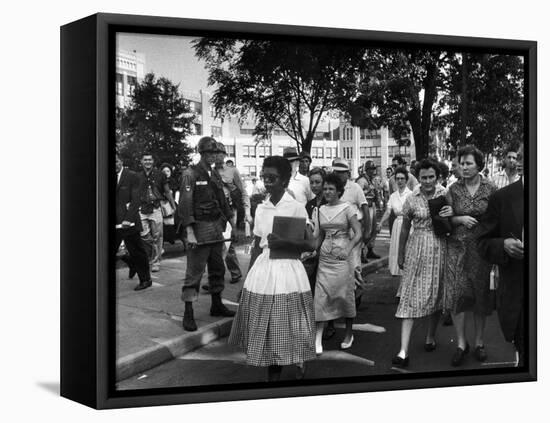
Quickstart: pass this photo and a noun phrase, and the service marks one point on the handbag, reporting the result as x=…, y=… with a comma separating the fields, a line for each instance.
x=442, y=225
x=166, y=208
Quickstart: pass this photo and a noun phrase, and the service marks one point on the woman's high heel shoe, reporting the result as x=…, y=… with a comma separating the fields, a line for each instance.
x=346, y=345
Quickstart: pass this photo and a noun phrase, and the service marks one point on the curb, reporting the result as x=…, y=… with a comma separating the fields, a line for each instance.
x=150, y=357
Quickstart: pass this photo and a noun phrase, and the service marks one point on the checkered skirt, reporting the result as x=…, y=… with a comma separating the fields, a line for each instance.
x=275, y=322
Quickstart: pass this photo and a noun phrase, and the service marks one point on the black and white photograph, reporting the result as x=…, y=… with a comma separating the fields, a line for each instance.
x=307, y=210
x=242, y=211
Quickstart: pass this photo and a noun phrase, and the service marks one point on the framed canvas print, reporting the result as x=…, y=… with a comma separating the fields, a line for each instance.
x=190, y=149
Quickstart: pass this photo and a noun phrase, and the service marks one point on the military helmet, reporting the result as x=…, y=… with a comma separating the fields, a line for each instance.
x=207, y=145
x=221, y=147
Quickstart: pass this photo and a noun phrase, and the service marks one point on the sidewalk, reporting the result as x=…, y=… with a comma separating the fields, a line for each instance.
x=148, y=322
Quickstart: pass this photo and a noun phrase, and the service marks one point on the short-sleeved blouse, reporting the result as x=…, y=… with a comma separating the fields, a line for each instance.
x=416, y=208
x=263, y=220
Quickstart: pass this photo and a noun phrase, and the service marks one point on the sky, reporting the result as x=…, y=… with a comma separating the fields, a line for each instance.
x=166, y=55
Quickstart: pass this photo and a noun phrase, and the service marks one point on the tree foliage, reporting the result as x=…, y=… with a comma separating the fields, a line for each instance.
x=283, y=85
x=157, y=120
x=485, y=101
x=399, y=89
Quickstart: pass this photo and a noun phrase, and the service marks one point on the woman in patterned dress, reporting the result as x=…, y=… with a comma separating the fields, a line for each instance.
x=395, y=204
x=335, y=285
x=421, y=257
x=274, y=323
x=466, y=286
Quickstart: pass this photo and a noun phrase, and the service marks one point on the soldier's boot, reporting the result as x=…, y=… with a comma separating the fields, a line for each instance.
x=218, y=308
x=188, y=320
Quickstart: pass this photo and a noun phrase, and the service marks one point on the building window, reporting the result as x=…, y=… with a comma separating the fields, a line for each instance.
x=119, y=84
x=230, y=149
x=279, y=132
x=317, y=153
x=319, y=135
x=246, y=131
x=131, y=86
x=212, y=111
x=197, y=129
x=216, y=131
x=348, y=133
x=249, y=151
x=263, y=151
x=195, y=107
x=395, y=149
x=250, y=170
x=348, y=153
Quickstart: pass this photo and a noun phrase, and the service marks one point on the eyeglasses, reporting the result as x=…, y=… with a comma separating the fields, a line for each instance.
x=269, y=178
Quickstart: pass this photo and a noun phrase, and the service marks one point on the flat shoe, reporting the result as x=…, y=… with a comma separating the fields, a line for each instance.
x=143, y=285
x=346, y=345
x=459, y=356
x=480, y=353
x=429, y=347
x=400, y=362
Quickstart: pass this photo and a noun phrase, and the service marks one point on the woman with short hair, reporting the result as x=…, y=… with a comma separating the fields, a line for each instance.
x=274, y=323
x=335, y=285
x=467, y=281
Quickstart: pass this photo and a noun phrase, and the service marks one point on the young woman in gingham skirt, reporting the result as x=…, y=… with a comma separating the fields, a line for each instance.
x=275, y=322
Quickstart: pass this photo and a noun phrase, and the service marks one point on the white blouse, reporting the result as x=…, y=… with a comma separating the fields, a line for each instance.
x=397, y=200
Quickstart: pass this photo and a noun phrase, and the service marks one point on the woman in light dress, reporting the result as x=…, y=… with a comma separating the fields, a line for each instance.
x=335, y=285
x=274, y=323
x=395, y=204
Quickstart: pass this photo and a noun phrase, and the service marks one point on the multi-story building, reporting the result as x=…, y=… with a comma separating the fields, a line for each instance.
x=130, y=69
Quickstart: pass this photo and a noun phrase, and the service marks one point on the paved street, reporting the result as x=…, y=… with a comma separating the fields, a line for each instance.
x=376, y=333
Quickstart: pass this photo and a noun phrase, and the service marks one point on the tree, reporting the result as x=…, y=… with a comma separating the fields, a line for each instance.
x=157, y=120
x=287, y=86
x=399, y=89
x=485, y=101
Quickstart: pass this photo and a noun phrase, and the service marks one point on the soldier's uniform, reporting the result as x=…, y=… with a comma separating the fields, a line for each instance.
x=370, y=190
x=203, y=205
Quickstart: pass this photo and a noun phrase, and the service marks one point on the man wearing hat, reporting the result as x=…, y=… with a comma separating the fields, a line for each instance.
x=305, y=163
x=353, y=194
x=298, y=186
x=204, y=213
x=368, y=185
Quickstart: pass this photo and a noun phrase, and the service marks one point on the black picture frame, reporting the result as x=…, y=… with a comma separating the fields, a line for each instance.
x=87, y=155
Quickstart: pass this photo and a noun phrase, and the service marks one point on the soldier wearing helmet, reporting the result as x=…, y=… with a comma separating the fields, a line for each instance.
x=204, y=213
x=367, y=182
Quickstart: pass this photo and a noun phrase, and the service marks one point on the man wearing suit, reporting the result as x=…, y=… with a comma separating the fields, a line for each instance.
x=128, y=225
x=501, y=243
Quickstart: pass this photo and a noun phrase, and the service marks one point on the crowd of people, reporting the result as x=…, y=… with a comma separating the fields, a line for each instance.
x=456, y=237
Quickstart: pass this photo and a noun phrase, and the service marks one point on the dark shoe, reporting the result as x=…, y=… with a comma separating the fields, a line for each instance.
x=329, y=332
x=480, y=353
x=460, y=356
x=143, y=285
x=235, y=280
x=206, y=287
x=188, y=319
x=400, y=362
x=372, y=255
x=218, y=308
x=447, y=320
x=430, y=347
